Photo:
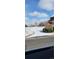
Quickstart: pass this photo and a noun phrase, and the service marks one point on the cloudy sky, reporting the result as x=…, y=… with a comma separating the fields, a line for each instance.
x=38, y=10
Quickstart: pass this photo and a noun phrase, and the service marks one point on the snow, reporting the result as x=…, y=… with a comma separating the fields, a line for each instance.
x=28, y=31
x=36, y=31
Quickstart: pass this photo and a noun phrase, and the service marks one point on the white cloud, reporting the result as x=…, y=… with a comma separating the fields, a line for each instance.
x=34, y=13
x=38, y=14
x=26, y=20
x=41, y=17
x=43, y=20
x=52, y=15
x=30, y=22
x=46, y=4
x=33, y=21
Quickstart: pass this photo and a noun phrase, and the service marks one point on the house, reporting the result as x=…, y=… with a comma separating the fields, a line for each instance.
x=50, y=23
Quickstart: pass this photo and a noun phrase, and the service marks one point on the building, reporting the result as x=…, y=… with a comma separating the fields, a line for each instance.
x=50, y=23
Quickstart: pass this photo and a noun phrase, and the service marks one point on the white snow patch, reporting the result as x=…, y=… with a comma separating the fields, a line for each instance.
x=37, y=31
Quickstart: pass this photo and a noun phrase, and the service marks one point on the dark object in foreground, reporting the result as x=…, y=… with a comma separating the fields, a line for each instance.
x=51, y=19
x=26, y=25
x=45, y=53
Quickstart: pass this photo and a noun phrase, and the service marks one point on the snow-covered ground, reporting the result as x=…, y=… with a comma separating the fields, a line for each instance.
x=28, y=31
x=35, y=31
x=32, y=42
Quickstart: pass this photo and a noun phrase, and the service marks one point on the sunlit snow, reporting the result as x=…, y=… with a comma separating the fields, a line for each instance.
x=35, y=31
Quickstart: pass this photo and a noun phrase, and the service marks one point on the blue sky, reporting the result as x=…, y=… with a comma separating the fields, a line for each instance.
x=38, y=10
